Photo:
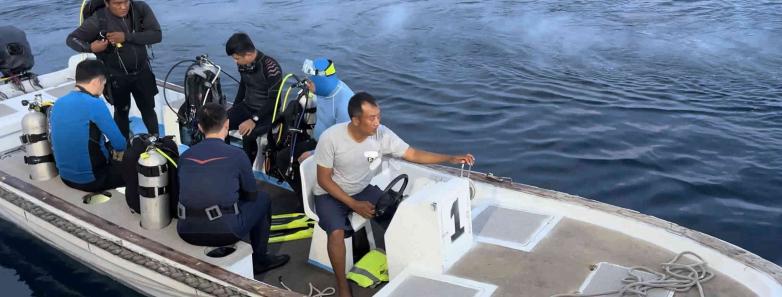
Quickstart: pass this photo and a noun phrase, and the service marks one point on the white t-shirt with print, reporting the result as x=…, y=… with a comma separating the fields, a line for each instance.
x=354, y=163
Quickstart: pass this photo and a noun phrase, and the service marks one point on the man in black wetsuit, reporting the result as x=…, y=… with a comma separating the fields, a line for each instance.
x=118, y=35
x=253, y=106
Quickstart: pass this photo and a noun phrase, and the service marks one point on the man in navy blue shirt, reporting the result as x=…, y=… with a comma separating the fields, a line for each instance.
x=79, y=122
x=219, y=200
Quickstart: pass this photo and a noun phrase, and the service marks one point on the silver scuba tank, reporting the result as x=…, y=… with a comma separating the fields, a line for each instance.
x=35, y=137
x=153, y=190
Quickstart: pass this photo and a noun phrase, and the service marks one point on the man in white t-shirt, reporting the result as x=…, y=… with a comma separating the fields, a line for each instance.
x=346, y=156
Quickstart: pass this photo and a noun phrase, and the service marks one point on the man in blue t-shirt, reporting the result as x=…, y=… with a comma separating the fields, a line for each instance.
x=219, y=200
x=79, y=122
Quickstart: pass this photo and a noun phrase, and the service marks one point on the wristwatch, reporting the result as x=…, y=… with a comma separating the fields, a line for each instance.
x=255, y=118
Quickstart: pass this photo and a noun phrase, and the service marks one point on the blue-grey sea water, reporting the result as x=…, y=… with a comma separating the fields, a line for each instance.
x=671, y=108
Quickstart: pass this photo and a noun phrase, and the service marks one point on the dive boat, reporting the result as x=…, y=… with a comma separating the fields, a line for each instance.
x=456, y=233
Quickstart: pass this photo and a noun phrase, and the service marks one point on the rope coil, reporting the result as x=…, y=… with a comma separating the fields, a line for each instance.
x=677, y=277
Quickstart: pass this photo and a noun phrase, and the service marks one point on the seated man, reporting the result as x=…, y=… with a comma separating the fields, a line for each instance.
x=79, y=121
x=346, y=157
x=332, y=94
x=261, y=77
x=219, y=200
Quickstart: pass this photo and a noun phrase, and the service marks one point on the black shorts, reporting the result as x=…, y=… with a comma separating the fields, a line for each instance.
x=333, y=214
x=142, y=85
x=105, y=179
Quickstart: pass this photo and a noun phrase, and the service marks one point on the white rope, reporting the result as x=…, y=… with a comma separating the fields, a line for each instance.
x=314, y=291
x=676, y=277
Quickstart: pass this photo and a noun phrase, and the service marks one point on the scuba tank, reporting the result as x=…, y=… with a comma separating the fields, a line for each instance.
x=153, y=190
x=35, y=137
x=139, y=145
x=202, y=85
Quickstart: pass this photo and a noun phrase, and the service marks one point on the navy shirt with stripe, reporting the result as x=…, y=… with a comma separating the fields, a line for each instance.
x=214, y=173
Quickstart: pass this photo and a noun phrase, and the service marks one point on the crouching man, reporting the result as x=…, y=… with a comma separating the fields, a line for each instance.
x=219, y=200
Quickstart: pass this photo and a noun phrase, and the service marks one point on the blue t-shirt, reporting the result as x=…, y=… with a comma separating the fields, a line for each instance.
x=332, y=109
x=214, y=173
x=79, y=124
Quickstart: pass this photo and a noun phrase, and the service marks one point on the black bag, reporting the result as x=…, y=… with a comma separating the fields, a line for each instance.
x=138, y=145
x=16, y=57
x=199, y=89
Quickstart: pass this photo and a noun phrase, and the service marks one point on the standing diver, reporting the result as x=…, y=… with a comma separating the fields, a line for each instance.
x=118, y=35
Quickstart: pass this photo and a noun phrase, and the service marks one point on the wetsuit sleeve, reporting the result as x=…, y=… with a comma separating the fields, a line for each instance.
x=273, y=73
x=150, y=28
x=100, y=115
x=248, y=190
x=80, y=39
x=240, y=93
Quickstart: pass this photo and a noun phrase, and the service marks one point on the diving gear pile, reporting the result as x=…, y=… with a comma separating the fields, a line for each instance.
x=289, y=227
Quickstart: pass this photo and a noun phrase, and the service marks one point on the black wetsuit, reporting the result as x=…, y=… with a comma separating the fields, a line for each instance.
x=256, y=97
x=128, y=66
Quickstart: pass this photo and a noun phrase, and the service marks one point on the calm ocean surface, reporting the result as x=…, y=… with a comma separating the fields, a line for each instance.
x=671, y=108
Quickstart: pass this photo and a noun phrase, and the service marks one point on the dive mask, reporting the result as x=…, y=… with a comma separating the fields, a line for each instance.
x=309, y=69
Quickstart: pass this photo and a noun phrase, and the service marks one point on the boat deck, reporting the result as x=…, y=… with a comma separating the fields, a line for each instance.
x=297, y=274
x=559, y=263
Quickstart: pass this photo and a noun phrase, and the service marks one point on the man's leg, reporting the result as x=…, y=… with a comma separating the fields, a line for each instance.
x=250, y=146
x=236, y=116
x=333, y=217
x=120, y=96
x=144, y=90
x=336, y=249
x=255, y=217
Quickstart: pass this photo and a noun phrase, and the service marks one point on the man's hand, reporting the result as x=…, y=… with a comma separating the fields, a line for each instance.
x=364, y=209
x=463, y=159
x=117, y=155
x=246, y=127
x=98, y=46
x=116, y=37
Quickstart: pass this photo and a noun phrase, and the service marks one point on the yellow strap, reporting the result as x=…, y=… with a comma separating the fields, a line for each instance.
x=284, y=104
x=81, y=12
x=279, y=93
x=166, y=156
